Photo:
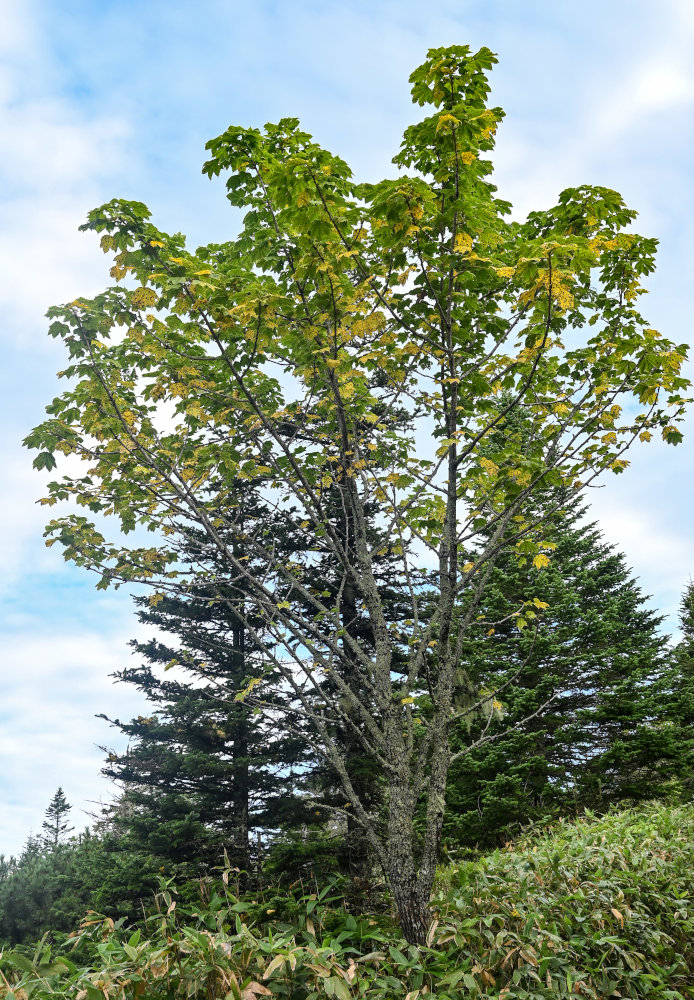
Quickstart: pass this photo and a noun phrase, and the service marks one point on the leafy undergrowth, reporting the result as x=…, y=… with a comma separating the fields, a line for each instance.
x=592, y=908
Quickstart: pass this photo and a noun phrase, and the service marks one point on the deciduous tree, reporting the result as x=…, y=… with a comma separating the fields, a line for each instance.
x=284, y=360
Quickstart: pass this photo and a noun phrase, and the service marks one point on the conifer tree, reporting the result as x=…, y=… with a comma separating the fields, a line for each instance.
x=202, y=771
x=594, y=658
x=670, y=743
x=56, y=822
x=682, y=699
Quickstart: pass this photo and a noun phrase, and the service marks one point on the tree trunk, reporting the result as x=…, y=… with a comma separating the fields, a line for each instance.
x=359, y=856
x=411, y=900
x=240, y=797
x=414, y=915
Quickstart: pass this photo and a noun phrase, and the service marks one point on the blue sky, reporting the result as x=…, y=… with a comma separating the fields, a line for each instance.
x=117, y=98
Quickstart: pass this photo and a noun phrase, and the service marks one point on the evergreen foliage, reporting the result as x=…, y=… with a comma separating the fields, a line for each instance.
x=594, y=658
x=47, y=890
x=674, y=747
x=56, y=822
x=203, y=771
x=682, y=703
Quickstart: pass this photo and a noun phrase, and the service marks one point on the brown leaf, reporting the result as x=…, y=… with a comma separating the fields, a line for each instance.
x=507, y=958
x=255, y=989
x=277, y=961
x=431, y=932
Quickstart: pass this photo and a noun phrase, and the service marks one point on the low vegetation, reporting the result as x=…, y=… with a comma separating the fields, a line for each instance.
x=597, y=907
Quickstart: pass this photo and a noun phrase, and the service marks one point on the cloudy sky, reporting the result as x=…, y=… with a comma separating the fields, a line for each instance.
x=106, y=98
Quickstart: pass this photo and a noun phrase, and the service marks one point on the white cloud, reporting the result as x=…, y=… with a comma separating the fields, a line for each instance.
x=660, y=556
x=16, y=26
x=51, y=179
x=21, y=518
x=52, y=687
x=662, y=85
x=58, y=160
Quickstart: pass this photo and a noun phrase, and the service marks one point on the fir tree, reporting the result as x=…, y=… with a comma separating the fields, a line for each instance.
x=202, y=771
x=672, y=741
x=682, y=698
x=594, y=658
x=56, y=822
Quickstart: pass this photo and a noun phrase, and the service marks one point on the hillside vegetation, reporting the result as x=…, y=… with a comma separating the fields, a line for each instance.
x=597, y=907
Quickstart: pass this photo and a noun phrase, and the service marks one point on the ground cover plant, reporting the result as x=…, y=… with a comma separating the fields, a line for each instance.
x=596, y=907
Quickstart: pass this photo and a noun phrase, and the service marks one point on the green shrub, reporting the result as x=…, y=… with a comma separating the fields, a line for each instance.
x=592, y=908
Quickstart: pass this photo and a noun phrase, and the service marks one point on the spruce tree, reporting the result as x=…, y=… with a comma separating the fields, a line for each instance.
x=56, y=822
x=197, y=774
x=673, y=740
x=682, y=710
x=202, y=770
x=590, y=665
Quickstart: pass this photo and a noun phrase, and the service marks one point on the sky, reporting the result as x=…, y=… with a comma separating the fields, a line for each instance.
x=116, y=98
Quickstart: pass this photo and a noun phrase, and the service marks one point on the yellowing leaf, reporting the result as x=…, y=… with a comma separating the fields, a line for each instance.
x=540, y=561
x=463, y=243
x=254, y=681
x=143, y=298
x=277, y=961
x=491, y=468
x=447, y=122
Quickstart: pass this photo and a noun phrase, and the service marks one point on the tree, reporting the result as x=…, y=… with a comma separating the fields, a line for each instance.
x=56, y=821
x=49, y=889
x=666, y=747
x=286, y=358
x=202, y=771
x=681, y=700
x=600, y=658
